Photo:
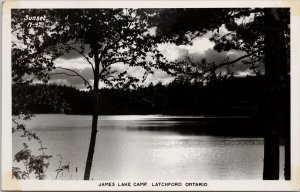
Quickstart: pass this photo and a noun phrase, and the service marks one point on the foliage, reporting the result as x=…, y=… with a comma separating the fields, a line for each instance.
x=61, y=168
x=120, y=35
x=31, y=43
x=236, y=29
x=31, y=60
x=36, y=165
x=33, y=164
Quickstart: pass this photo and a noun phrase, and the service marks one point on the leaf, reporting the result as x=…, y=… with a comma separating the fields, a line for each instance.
x=24, y=154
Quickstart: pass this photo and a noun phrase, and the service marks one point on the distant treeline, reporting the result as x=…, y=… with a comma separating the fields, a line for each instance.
x=230, y=96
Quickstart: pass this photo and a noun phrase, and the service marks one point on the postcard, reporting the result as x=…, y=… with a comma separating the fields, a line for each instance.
x=150, y=95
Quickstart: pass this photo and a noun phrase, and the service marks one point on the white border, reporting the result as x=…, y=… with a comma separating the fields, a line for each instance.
x=80, y=185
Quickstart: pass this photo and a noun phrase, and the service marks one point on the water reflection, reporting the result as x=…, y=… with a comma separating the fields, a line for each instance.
x=150, y=148
x=193, y=125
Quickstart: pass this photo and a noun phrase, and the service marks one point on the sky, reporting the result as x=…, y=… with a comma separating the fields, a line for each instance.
x=200, y=48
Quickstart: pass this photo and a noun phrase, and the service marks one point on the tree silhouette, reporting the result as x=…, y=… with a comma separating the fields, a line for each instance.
x=263, y=36
x=103, y=37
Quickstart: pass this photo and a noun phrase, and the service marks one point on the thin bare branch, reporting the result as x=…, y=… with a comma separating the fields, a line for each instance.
x=104, y=69
x=194, y=37
x=62, y=73
x=215, y=67
x=16, y=29
x=82, y=54
x=238, y=59
x=77, y=74
x=59, y=166
x=225, y=35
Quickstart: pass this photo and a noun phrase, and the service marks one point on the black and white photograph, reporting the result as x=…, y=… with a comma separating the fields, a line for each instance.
x=149, y=98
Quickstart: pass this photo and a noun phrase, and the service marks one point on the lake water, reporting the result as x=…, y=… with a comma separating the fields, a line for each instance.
x=131, y=147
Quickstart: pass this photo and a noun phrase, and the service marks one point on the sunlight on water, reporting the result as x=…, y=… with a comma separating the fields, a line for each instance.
x=139, y=147
x=144, y=117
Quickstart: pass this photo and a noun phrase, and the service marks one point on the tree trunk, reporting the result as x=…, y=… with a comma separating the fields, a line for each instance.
x=287, y=150
x=287, y=134
x=94, y=131
x=90, y=156
x=271, y=157
x=275, y=104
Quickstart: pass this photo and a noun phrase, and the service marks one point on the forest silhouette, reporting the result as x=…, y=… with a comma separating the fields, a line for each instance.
x=233, y=96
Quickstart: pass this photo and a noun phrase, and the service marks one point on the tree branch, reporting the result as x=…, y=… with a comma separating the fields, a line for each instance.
x=199, y=74
x=194, y=37
x=77, y=74
x=88, y=60
x=104, y=68
x=62, y=73
x=236, y=60
x=225, y=35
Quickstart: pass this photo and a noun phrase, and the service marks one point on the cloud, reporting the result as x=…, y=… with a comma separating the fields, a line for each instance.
x=200, y=48
x=138, y=72
x=244, y=73
x=76, y=81
x=173, y=52
x=159, y=76
x=60, y=82
x=75, y=63
x=73, y=54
